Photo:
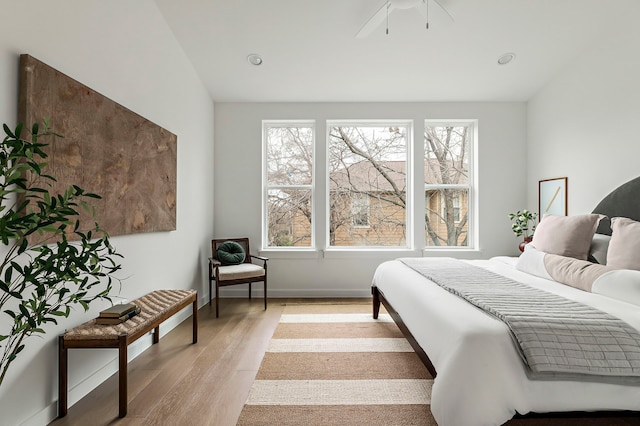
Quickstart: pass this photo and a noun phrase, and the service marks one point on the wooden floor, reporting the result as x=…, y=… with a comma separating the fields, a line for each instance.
x=178, y=383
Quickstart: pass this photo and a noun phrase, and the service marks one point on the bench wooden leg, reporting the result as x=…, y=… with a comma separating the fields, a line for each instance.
x=62, y=377
x=195, y=320
x=156, y=335
x=122, y=376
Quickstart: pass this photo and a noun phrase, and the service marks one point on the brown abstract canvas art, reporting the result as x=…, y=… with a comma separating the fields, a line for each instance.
x=107, y=149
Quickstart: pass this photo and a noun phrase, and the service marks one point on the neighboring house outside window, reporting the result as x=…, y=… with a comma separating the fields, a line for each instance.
x=288, y=190
x=368, y=161
x=455, y=202
x=360, y=205
x=448, y=181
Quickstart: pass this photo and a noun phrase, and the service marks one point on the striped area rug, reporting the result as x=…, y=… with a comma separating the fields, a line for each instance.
x=336, y=365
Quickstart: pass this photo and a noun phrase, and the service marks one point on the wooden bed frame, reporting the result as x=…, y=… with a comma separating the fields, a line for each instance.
x=378, y=298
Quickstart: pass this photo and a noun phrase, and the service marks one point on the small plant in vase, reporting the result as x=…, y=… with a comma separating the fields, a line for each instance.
x=523, y=224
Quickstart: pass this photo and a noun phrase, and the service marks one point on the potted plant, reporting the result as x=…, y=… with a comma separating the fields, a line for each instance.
x=43, y=275
x=523, y=224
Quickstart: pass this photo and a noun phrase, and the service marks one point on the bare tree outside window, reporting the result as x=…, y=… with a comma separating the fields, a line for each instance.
x=367, y=174
x=368, y=162
x=360, y=210
x=289, y=180
x=447, y=183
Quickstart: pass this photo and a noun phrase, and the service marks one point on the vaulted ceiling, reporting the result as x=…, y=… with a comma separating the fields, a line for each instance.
x=310, y=52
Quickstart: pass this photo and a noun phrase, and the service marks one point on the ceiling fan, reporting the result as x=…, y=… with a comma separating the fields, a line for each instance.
x=389, y=6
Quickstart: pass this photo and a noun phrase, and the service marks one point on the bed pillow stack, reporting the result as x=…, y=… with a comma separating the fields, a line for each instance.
x=560, y=250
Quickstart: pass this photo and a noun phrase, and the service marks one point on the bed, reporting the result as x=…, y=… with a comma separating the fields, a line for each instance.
x=480, y=375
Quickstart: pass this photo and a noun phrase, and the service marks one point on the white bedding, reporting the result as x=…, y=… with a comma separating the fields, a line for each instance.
x=481, y=379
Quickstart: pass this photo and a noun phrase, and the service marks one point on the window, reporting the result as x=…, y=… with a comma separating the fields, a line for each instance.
x=370, y=198
x=367, y=171
x=288, y=166
x=448, y=183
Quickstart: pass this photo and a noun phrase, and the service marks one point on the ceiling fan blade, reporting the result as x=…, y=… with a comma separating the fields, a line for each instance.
x=445, y=10
x=376, y=20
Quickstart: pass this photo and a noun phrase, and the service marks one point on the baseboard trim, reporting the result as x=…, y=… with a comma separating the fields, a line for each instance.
x=257, y=292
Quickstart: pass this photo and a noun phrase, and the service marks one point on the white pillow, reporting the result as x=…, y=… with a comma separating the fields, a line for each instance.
x=531, y=261
x=568, y=236
x=624, y=247
x=621, y=284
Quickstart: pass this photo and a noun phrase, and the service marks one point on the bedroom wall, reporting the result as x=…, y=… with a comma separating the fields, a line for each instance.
x=584, y=123
x=124, y=50
x=238, y=178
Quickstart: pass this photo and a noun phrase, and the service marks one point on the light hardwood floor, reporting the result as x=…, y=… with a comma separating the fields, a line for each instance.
x=178, y=383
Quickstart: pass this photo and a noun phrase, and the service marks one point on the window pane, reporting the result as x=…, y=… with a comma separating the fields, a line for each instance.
x=367, y=166
x=446, y=154
x=289, y=155
x=446, y=217
x=447, y=180
x=289, y=217
x=360, y=210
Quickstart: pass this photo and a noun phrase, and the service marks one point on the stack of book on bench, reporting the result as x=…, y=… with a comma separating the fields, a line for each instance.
x=117, y=314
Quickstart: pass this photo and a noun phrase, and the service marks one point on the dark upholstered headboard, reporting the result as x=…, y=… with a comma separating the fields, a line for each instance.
x=623, y=201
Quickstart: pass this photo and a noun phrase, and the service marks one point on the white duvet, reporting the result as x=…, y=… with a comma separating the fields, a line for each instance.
x=480, y=377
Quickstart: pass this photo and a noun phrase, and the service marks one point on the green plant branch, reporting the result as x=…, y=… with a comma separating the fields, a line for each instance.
x=43, y=276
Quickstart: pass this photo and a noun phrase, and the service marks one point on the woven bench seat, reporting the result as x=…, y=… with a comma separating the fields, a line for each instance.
x=155, y=308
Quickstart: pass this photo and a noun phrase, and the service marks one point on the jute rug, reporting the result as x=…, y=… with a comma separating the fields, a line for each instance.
x=336, y=365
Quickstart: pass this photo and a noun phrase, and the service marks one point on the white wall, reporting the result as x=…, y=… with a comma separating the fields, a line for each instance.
x=238, y=185
x=584, y=123
x=124, y=50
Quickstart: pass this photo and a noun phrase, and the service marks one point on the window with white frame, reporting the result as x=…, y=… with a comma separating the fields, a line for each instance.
x=288, y=177
x=448, y=183
x=367, y=165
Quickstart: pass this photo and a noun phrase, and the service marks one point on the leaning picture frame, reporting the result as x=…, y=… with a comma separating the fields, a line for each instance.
x=552, y=197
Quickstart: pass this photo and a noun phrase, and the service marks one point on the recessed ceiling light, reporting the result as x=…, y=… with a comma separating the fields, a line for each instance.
x=254, y=59
x=506, y=58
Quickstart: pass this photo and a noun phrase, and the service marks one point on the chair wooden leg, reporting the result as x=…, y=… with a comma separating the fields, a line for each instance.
x=265, y=293
x=210, y=281
x=217, y=298
x=250, y=291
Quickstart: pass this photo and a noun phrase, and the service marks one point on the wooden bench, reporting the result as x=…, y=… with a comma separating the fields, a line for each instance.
x=156, y=307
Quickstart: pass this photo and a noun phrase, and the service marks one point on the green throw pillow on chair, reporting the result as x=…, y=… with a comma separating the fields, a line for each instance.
x=230, y=253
